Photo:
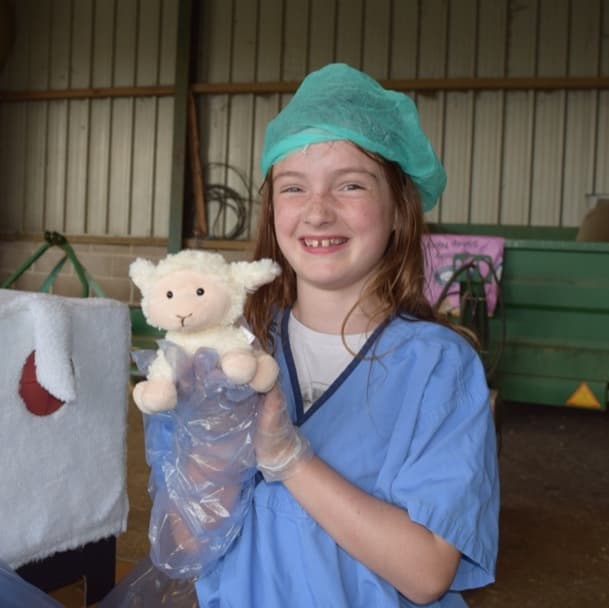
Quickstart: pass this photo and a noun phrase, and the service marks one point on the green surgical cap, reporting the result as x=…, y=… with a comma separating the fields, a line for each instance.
x=339, y=102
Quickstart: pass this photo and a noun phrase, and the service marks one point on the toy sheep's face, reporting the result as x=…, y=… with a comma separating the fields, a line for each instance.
x=188, y=301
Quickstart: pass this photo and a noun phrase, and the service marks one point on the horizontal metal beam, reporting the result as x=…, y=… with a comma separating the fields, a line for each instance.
x=420, y=84
x=91, y=93
x=85, y=239
x=136, y=241
x=267, y=88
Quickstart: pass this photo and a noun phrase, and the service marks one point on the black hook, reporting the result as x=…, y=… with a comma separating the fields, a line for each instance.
x=54, y=238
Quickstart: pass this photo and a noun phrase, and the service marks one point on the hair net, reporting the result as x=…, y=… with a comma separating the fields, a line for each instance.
x=339, y=102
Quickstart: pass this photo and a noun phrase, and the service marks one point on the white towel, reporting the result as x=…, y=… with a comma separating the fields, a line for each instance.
x=63, y=479
x=52, y=333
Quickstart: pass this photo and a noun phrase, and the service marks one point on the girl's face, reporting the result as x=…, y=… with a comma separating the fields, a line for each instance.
x=333, y=215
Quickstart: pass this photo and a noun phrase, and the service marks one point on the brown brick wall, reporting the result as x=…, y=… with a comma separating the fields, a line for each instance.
x=108, y=264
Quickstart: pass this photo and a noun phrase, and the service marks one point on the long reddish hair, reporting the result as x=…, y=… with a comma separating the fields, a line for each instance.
x=397, y=285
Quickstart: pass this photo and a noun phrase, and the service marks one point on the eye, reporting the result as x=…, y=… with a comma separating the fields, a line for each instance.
x=169, y=295
x=200, y=291
x=289, y=189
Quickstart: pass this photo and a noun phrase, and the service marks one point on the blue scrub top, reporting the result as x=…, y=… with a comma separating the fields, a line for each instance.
x=15, y=592
x=409, y=422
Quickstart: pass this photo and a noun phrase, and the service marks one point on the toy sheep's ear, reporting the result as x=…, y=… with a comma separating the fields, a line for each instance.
x=141, y=272
x=253, y=275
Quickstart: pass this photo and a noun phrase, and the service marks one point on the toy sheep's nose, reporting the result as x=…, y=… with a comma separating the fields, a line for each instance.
x=183, y=318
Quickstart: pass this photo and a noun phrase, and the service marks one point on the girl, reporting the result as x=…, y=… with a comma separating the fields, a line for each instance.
x=378, y=447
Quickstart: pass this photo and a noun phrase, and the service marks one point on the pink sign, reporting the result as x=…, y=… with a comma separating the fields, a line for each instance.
x=445, y=254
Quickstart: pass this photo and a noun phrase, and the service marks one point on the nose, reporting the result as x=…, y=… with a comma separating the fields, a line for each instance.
x=319, y=210
x=183, y=318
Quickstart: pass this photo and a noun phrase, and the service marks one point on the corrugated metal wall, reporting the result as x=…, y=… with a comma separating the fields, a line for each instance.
x=514, y=153
x=88, y=163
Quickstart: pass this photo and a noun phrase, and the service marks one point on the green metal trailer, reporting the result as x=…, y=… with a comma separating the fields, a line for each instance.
x=552, y=326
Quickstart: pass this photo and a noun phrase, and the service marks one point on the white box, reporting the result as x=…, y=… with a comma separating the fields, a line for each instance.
x=63, y=475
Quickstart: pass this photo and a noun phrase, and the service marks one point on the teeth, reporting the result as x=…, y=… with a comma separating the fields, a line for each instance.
x=323, y=242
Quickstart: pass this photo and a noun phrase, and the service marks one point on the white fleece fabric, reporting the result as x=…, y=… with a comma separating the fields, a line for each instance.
x=63, y=480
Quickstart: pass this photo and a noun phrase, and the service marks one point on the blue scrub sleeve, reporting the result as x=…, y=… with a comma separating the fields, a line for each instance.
x=17, y=593
x=449, y=479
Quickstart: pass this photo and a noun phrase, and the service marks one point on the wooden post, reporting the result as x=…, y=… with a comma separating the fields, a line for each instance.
x=200, y=227
x=180, y=111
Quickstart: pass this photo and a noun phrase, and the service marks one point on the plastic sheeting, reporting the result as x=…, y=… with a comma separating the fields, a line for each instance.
x=147, y=587
x=202, y=461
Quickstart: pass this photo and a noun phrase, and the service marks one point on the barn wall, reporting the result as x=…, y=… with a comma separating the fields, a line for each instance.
x=526, y=157
x=100, y=166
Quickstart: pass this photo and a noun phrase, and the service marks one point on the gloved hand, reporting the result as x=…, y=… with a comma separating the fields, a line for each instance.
x=280, y=447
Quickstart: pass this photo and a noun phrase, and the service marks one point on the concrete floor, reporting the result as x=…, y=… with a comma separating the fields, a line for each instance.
x=554, y=550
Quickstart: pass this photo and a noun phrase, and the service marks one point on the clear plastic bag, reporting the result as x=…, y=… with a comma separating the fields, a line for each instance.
x=202, y=461
x=147, y=587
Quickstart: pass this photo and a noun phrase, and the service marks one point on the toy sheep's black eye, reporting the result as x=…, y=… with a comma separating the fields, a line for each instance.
x=200, y=291
x=169, y=295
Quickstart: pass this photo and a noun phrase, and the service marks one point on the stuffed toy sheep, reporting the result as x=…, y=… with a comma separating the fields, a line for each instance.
x=198, y=298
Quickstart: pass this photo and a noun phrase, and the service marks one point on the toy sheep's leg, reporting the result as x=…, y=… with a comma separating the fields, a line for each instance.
x=239, y=365
x=267, y=372
x=155, y=395
x=158, y=392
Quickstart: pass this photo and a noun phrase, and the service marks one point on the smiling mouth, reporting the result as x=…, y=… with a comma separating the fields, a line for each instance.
x=315, y=243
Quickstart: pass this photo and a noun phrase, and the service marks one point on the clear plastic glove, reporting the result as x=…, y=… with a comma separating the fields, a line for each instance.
x=280, y=448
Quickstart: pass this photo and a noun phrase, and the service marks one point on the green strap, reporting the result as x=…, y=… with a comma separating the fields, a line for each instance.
x=95, y=286
x=88, y=283
x=13, y=277
x=48, y=282
x=78, y=267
